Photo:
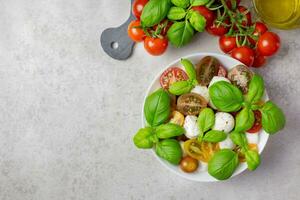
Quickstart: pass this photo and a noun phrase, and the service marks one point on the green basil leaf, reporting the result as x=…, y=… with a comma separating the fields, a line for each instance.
x=180, y=33
x=157, y=107
x=252, y=159
x=169, y=130
x=189, y=68
x=273, y=119
x=181, y=3
x=180, y=87
x=206, y=119
x=226, y=97
x=198, y=2
x=176, y=13
x=170, y=150
x=256, y=89
x=154, y=12
x=223, y=164
x=214, y=136
x=239, y=139
x=197, y=21
x=244, y=120
x=144, y=138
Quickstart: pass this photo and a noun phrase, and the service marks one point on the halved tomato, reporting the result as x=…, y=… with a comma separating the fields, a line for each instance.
x=171, y=75
x=206, y=69
x=257, y=123
x=177, y=118
x=200, y=150
x=191, y=104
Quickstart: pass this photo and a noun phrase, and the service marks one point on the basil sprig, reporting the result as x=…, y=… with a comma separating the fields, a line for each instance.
x=158, y=135
x=252, y=157
x=154, y=12
x=183, y=87
x=228, y=98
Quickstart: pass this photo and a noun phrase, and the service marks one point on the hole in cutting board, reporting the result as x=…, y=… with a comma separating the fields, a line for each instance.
x=114, y=45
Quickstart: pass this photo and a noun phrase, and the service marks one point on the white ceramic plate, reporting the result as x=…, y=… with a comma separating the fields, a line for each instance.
x=201, y=175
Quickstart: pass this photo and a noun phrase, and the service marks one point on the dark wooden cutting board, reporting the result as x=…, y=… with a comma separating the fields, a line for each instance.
x=115, y=41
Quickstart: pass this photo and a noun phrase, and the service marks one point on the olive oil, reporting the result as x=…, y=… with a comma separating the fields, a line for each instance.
x=284, y=14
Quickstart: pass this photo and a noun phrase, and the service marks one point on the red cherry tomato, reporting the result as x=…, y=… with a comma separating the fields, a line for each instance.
x=156, y=46
x=243, y=54
x=259, y=60
x=216, y=30
x=227, y=44
x=260, y=28
x=268, y=44
x=257, y=123
x=134, y=32
x=247, y=21
x=206, y=13
x=138, y=6
x=172, y=75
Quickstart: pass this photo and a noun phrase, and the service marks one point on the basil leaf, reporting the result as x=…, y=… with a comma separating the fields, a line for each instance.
x=180, y=87
x=169, y=130
x=144, y=138
x=223, y=164
x=198, y=2
x=176, y=13
x=170, y=150
x=252, y=159
x=244, y=120
x=225, y=96
x=189, y=68
x=154, y=12
x=181, y=3
x=197, y=21
x=239, y=139
x=273, y=119
x=157, y=107
x=206, y=119
x=214, y=136
x=180, y=33
x=256, y=89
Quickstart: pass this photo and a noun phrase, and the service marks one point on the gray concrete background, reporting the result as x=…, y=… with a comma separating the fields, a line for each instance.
x=68, y=111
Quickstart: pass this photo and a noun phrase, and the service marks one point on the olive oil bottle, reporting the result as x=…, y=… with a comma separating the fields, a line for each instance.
x=283, y=14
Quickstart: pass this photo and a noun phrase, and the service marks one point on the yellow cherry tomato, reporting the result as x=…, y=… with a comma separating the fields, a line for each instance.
x=177, y=118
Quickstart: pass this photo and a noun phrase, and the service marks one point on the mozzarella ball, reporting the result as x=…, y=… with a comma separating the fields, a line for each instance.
x=252, y=138
x=223, y=122
x=190, y=126
x=216, y=79
x=202, y=90
x=227, y=143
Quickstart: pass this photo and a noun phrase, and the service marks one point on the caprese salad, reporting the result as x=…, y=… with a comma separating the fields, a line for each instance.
x=204, y=118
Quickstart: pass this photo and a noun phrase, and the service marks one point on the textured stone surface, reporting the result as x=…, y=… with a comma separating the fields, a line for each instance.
x=68, y=111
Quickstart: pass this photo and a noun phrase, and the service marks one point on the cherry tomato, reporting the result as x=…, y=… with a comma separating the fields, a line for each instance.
x=268, y=44
x=259, y=60
x=189, y=164
x=206, y=13
x=177, y=118
x=222, y=71
x=216, y=30
x=206, y=69
x=155, y=46
x=191, y=103
x=138, y=6
x=202, y=151
x=257, y=123
x=171, y=75
x=240, y=76
x=134, y=32
x=227, y=44
x=243, y=54
x=246, y=12
x=260, y=28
